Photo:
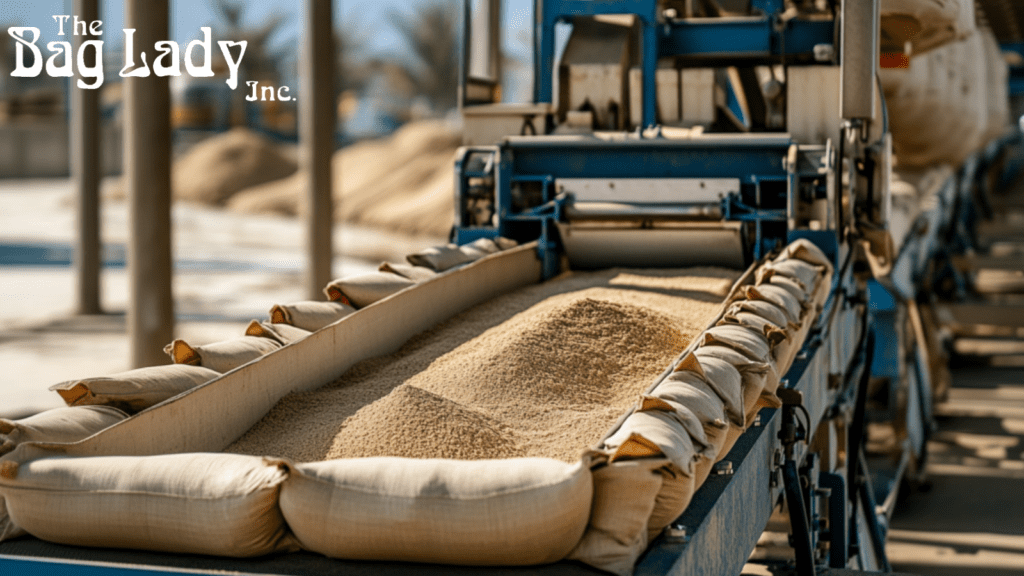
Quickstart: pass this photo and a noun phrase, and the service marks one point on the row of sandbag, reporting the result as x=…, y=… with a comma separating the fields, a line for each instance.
x=489, y=512
x=649, y=469
x=97, y=403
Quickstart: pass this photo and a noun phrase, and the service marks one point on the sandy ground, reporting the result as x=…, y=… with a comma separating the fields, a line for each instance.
x=229, y=268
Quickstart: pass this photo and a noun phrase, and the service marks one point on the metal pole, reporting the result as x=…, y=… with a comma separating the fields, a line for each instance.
x=316, y=134
x=147, y=174
x=86, y=172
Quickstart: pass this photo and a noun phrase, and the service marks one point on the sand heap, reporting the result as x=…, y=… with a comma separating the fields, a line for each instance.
x=542, y=372
x=402, y=183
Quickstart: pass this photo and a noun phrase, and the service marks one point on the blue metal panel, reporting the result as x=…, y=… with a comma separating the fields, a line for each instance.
x=28, y=566
x=650, y=159
x=751, y=37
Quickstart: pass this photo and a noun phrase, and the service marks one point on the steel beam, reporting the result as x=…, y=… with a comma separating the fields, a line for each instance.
x=86, y=171
x=147, y=175
x=316, y=135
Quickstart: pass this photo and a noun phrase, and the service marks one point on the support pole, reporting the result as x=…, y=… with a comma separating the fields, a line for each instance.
x=316, y=134
x=86, y=171
x=147, y=174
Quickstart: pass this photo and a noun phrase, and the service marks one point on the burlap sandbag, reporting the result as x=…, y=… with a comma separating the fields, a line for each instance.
x=134, y=390
x=775, y=335
x=58, y=425
x=439, y=258
x=310, y=315
x=756, y=377
x=519, y=511
x=362, y=290
x=803, y=249
x=221, y=356
x=748, y=341
x=766, y=310
x=283, y=333
x=793, y=286
x=719, y=375
x=219, y=504
x=778, y=296
x=624, y=497
x=805, y=274
x=479, y=248
x=414, y=273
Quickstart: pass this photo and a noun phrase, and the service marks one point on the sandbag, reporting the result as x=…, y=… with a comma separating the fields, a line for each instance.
x=793, y=286
x=624, y=497
x=479, y=248
x=310, y=315
x=756, y=377
x=485, y=512
x=58, y=425
x=762, y=308
x=134, y=390
x=221, y=356
x=778, y=296
x=362, y=290
x=751, y=343
x=283, y=333
x=805, y=274
x=773, y=333
x=719, y=375
x=804, y=249
x=414, y=273
x=440, y=258
x=219, y=504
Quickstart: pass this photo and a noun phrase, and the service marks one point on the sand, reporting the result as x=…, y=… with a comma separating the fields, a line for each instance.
x=542, y=372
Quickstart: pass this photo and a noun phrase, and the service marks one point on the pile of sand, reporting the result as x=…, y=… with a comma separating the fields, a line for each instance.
x=402, y=183
x=542, y=372
x=215, y=169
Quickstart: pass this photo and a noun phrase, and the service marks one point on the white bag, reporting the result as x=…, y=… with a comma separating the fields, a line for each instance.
x=414, y=273
x=221, y=356
x=520, y=511
x=310, y=315
x=134, y=390
x=219, y=504
x=58, y=425
x=284, y=333
x=362, y=290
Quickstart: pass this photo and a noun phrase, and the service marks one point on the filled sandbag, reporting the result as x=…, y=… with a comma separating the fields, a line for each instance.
x=8, y=529
x=440, y=258
x=134, y=390
x=58, y=425
x=414, y=273
x=219, y=504
x=794, y=287
x=757, y=377
x=617, y=532
x=770, y=312
x=719, y=375
x=221, y=356
x=310, y=315
x=777, y=296
x=751, y=343
x=805, y=274
x=362, y=290
x=284, y=334
x=803, y=249
x=661, y=430
x=772, y=332
x=479, y=248
x=520, y=511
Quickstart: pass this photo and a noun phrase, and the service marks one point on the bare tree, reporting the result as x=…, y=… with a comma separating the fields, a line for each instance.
x=430, y=30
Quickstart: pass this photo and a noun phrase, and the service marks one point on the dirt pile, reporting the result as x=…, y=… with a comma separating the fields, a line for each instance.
x=402, y=183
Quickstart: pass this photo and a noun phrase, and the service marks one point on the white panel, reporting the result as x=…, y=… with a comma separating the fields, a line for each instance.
x=812, y=103
x=649, y=190
x=667, y=95
x=698, y=95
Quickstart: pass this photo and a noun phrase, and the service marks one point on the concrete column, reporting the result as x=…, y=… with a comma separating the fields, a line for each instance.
x=316, y=140
x=86, y=171
x=147, y=175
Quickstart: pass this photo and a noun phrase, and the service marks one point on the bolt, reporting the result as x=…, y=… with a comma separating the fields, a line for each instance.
x=676, y=533
x=724, y=468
